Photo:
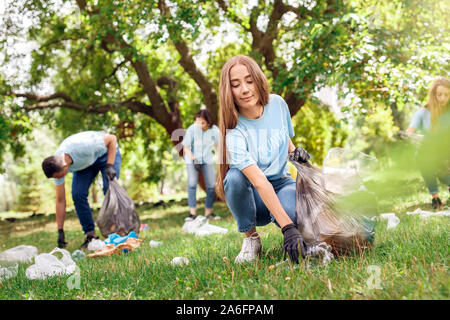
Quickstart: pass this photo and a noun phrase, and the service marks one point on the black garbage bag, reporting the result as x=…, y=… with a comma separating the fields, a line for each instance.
x=326, y=216
x=117, y=214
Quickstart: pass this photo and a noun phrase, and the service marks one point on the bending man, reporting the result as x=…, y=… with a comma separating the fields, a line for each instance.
x=84, y=154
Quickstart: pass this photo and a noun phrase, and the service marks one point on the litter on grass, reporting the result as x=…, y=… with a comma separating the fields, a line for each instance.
x=425, y=214
x=8, y=271
x=179, y=261
x=48, y=265
x=154, y=243
x=201, y=227
x=96, y=244
x=322, y=251
x=116, y=239
x=78, y=255
x=392, y=220
x=20, y=254
x=110, y=249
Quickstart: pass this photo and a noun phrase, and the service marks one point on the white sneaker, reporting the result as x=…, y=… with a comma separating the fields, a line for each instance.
x=251, y=248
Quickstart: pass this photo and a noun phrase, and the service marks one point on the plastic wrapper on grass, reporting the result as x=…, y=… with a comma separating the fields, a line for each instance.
x=9, y=271
x=48, y=265
x=20, y=254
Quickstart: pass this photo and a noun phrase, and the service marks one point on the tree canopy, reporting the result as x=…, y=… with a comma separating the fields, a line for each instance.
x=103, y=63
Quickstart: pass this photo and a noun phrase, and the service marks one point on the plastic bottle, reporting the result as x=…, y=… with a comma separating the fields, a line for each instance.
x=78, y=255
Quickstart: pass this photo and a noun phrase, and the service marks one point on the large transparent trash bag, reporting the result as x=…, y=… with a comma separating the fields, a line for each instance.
x=323, y=216
x=20, y=254
x=117, y=214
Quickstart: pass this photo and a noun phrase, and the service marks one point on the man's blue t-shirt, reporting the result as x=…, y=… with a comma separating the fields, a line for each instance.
x=84, y=148
x=263, y=141
x=201, y=142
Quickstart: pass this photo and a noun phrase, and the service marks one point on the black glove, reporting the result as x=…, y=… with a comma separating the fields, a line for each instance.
x=110, y=172
x=299, y=155
x=198, y=167
x=293, y=243
x=61, y=239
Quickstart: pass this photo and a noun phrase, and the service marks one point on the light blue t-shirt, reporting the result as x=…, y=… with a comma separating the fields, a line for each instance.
x=263, y=141
x=84, y=148
x=421, y=120
x=201, y=142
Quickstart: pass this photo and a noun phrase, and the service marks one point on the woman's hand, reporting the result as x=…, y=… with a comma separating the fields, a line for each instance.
x=299, y=155
x=293, y=243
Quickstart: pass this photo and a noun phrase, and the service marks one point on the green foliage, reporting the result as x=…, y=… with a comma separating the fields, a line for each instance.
x=29, y=189
x=33, y=191
x=378, y=52
x=14, y=128
x=147, y=158
x=373, y=129
x=317, y=130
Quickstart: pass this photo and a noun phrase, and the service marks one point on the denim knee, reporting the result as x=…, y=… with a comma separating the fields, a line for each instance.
x=79, y=195
x=235, y=178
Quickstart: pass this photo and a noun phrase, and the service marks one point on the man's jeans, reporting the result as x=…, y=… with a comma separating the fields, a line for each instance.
x=209, y=175
x=81, y=182
x=246, y=204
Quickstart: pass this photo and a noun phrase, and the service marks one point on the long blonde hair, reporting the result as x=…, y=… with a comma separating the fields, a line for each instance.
x=433, y=105
x=229, y=110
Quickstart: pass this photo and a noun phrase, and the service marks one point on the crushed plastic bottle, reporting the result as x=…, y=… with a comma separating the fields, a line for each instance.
x=20, y=254
x=78, y=255
x=47, y=265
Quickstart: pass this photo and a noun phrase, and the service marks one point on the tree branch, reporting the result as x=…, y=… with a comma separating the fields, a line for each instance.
x=233, y=18
x=45, y=102
x=112, y=42
x=34, y=97
x=187, y=62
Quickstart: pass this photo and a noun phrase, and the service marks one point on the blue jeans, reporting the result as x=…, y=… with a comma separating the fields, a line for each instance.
x=81, y=182
x=247, y=206
x=209, y=175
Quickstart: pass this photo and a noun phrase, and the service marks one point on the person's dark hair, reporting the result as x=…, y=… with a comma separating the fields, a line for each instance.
x=51, y=165
x=205, y=114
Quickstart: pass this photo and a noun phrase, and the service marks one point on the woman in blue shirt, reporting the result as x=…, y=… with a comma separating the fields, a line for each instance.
x=255, y=140
x=425, y=120
x=198, y=144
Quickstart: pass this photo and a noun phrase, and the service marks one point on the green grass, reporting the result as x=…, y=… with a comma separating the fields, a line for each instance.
x=412, y=261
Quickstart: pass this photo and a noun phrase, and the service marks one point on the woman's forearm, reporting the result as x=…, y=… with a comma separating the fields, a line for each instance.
x=270, y=199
